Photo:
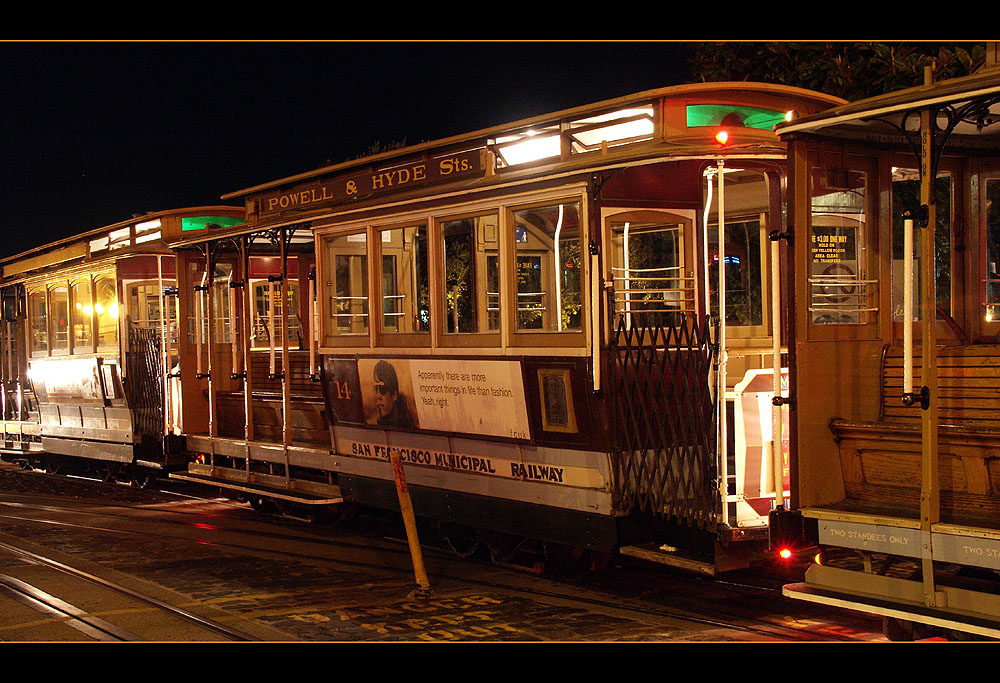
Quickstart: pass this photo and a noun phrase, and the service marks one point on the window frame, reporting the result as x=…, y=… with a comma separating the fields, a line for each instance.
x=43, y=290
x=876, y=236
x=506, y=340
x=382, y=336
x=91, y=347
x=545, y=337
x=984, y=329
x=68, y=280
x=951, y=168
x=488, y=338
x=686, y=218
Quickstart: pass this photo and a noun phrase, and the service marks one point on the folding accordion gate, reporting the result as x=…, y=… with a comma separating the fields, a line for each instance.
x=664, y=424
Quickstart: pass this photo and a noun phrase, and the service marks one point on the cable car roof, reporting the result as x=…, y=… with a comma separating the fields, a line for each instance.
x=983, y=86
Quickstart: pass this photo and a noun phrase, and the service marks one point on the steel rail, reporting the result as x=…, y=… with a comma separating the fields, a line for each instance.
x=177, y=611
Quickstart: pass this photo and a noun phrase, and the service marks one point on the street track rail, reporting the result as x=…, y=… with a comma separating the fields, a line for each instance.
x=93, y=626
x=56, y=608
x=734, y=614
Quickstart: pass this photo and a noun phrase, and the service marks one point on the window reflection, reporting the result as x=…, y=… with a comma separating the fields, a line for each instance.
x=744, y=306
x=471, y=275
x=992, y=249
x=39, y=322
x=838, y=292
x=59, y=309
x=106, y=311
x=547, y=268
x=405, y=280
x=906, y=197
x=347, y=284
x=649, y=272
x=83, y=317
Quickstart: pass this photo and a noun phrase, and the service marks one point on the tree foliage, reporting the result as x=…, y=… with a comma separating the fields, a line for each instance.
x=852, y=70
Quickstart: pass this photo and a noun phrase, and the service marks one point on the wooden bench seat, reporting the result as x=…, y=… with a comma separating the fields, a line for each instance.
x=880, y=459
x=307, y=419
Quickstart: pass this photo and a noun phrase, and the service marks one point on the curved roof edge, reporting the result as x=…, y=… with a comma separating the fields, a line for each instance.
x=149, y=215
x=656, y=93
x=983, y=83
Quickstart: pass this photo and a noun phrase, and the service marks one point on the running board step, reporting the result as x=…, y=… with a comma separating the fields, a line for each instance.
x=673, y=557
x=270, y=486
x=893, y=607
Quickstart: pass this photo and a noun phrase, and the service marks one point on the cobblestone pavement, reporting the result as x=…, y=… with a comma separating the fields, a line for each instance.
x=324, y=586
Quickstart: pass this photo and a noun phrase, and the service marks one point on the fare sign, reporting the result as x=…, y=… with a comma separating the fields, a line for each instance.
x=349, y=187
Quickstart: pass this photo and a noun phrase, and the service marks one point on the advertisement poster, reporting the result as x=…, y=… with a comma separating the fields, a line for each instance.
x=484, y=397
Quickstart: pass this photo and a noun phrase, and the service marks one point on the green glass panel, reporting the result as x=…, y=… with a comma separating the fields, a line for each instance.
x=730, y=115
x=199, y=222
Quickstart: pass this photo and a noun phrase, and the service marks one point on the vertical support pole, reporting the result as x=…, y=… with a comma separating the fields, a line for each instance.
x=313, y=319
x=164, y=344
x=930, y=510
x=557, y=263
x=234, y=344
x=8, y=370
x=286, y=369
x=710, y=174
x=199, y=318
x=627, y=276
x=270, y=327
x=210, y=319
x=246, y=325
x=777, y=452
x=595, y=317
x=723, y=438
x=908, y=307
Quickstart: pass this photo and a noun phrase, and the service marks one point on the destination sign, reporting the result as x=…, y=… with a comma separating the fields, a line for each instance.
x=386, y=180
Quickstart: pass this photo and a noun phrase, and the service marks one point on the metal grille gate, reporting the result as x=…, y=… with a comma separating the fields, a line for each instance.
x=663, y=418
x=145, y=380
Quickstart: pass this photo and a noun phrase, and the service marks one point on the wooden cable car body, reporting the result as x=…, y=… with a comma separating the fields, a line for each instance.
x=522, y=314
x=894, y=378
x=90, y=344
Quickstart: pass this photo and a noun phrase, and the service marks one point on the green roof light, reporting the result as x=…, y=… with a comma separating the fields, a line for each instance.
x=199, y=222
x=731, y=115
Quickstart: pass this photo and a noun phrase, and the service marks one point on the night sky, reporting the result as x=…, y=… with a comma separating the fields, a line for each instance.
x=96, y=132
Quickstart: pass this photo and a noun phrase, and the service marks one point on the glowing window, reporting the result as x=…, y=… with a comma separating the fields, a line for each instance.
x=548, y=251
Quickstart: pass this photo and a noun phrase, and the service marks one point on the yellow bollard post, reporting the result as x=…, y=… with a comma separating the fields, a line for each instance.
x=410, y=522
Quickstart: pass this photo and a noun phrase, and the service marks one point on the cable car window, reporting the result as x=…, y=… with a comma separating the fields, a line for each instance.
x=471, y=275
x=263, y=290
x=992, y=249
x=838, y=292
x=744, y=306
x=649, y=272
x=547, y=268
x=906, y=196
x=106, y=310
x=38, y=322
x=59, y=308
x=83, y=316
x=405, y=280
x=347, y=284
x=221, y=297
